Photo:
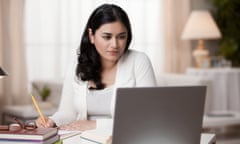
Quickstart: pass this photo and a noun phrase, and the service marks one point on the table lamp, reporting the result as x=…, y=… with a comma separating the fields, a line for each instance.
x=2, y=73
x=200, y=26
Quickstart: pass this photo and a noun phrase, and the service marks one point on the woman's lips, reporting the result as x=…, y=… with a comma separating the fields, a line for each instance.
x=113, y=52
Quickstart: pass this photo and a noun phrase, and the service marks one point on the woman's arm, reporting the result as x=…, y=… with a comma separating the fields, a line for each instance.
x=66, y=111
x=80, y=125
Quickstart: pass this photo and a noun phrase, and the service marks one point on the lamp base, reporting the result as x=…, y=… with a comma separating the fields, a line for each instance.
x=201, y=56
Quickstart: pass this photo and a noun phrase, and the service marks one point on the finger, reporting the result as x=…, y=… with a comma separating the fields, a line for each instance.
x=49, y=123
x=39, y=123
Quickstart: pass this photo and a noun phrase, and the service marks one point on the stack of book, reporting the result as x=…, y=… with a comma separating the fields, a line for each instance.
x=24, y=136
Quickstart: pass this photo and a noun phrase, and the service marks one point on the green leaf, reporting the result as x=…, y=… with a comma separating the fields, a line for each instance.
x=228, y=48
x=227, y=16
x=45, y=93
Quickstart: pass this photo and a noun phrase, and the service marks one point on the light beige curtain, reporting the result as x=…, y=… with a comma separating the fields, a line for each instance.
x=177, y=52
x=13, y=88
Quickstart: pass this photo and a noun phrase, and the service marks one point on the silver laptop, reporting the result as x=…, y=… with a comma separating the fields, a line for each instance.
x=159, y=115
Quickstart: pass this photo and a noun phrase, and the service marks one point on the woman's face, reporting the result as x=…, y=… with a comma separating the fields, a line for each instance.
x=110, y=41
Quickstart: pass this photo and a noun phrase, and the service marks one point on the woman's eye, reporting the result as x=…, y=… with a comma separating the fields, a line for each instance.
x=122, y=37
x=106, y=37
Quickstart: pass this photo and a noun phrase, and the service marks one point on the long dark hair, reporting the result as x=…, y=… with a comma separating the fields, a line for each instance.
x=89, y=65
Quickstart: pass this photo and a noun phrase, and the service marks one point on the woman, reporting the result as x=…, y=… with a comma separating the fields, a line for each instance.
x=104, y=63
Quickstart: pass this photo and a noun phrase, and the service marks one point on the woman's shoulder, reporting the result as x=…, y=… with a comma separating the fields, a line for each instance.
x=135, y=56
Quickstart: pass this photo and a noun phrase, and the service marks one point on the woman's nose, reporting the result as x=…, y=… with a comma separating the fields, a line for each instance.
x=114, y=43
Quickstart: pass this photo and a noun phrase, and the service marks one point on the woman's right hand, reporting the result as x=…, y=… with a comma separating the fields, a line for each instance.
x=49, y=123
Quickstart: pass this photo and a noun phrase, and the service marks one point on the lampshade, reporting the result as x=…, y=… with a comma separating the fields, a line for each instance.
x=200, y=25
x=2, y=73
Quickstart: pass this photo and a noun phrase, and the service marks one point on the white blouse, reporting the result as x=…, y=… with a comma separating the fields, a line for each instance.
x=98, y=103
x=134, y=69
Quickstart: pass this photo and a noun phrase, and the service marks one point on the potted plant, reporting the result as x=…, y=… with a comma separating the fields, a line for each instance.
x=227, y=16
x=44, y=92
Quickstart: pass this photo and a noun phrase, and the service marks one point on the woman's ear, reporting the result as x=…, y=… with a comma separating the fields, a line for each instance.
x=91, y=36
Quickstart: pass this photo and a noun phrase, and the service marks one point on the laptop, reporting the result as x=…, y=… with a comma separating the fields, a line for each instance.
x=159, y=115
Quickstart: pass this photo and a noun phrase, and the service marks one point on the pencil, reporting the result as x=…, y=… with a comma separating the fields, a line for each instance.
x=38, y=109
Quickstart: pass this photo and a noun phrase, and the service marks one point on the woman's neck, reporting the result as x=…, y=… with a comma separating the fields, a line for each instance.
x=108, y=73
x=108, y=65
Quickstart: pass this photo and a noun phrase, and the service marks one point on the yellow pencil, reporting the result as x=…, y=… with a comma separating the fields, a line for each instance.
x=38, y=109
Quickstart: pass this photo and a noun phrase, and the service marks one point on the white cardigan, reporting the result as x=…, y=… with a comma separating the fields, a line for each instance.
x=134, y=69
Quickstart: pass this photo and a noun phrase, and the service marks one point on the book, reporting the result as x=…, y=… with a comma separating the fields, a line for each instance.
x=24, y=134
x=96, y=137
x=49, y=140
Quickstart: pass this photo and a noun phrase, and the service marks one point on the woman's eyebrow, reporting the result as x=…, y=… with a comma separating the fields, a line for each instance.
x=122, y=33
x=107, y=33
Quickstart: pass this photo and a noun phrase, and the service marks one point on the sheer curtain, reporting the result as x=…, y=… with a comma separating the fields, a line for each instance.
x=53, y=29
x=177, y=53
x=13, y=88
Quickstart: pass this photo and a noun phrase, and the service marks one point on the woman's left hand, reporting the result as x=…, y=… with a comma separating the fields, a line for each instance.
x=81, y=125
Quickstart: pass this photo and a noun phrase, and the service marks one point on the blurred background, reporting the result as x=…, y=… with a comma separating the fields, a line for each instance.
x=39, y=38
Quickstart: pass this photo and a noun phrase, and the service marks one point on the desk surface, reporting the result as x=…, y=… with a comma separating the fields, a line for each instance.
x=206, y=138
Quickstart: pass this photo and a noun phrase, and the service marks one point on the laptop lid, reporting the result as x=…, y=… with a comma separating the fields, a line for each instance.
x=159, y=115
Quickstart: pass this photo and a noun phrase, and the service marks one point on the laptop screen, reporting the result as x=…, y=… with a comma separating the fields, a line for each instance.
x=159, y=115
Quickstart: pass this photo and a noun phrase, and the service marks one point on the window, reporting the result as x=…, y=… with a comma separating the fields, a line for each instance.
x=53, y=31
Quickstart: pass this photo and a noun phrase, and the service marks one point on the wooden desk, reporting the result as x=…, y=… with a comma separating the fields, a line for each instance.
x=206, y=138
